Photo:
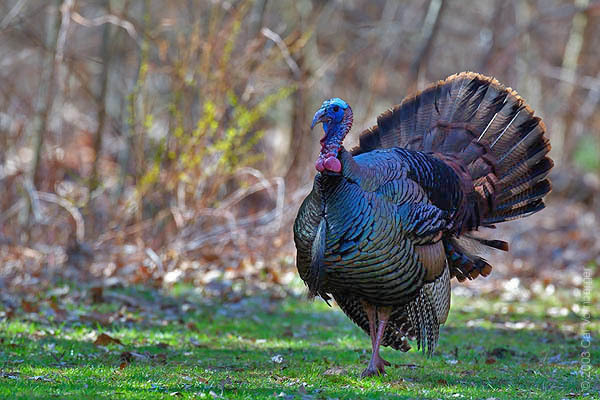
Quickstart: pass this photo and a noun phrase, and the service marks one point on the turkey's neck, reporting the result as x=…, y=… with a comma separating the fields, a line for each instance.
x=334, y=135
x=331, y=144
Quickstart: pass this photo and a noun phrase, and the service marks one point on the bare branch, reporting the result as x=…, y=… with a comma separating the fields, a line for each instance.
x=65, y=10
x=269, y=34
x=105, y=19
x=71, y=209
x=584, y=81
x=12, y=14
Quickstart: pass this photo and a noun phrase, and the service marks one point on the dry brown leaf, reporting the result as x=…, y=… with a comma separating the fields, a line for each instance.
x=103, y=339
x=191, y=326
x=61, y=314
x=97, y=294
x=29, y=307
x=126, y=356
x=129, y=356
x=161, y=358
x=96, y=317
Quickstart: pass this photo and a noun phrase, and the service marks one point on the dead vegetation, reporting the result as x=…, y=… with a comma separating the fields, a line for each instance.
x=162, y=142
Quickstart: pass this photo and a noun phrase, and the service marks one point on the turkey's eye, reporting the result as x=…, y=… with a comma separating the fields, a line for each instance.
x=336, y=109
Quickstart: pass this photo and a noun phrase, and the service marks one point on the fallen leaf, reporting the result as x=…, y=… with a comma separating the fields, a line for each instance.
x=501, y=352
x=60, y=313
x=97, y=294
x=103, y=339
x=29, y=307
x=96, y=317
x=490, y=360
x=191, y=326
x=126, y=357
x=161, y=358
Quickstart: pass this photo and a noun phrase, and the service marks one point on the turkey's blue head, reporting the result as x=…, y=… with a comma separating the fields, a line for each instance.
x=336, y=116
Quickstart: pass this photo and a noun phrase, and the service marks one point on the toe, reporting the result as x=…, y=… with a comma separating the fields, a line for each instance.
x=369, y=372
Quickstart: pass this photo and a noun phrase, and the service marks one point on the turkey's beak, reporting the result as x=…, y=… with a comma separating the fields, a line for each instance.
x=320, y=116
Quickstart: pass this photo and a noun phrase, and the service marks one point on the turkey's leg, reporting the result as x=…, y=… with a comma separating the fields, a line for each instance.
x=377, y=364
x=372, y=315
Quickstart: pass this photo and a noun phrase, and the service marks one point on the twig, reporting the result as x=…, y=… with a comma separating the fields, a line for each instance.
x=12, y=210
x=12, y=13
x=269, y=34
x=130, y=230
x=260, y=223
x=67, y=205
x=239, y=194
x=61, y=70
x=34, y=200
x=584, y=81
x=105, y=19
x=430, y=28
x=155, y=259
x=66, y=9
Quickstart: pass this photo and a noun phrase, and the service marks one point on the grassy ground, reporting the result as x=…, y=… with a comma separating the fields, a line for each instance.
x=179, y=345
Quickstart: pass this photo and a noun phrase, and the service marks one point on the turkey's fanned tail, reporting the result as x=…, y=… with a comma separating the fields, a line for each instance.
x=485, y=131
x=488, y=127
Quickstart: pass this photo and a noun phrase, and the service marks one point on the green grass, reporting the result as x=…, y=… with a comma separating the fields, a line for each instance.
x=179, y=345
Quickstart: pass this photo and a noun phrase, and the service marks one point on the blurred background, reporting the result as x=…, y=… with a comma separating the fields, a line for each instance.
x=164, y=142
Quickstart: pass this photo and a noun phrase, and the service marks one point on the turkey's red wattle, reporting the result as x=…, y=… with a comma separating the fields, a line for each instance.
x=319, y=165
x=333, y=164
x=328, y=162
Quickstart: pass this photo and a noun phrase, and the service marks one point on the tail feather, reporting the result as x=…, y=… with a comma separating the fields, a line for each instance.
x=488, y=127
x=515, y=213
x=524, y=180
x=536, y=192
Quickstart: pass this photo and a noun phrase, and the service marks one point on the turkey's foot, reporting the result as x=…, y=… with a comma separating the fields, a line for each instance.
x=376, y=367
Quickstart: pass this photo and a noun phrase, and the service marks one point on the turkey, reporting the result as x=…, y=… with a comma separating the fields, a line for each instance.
x=388, y=224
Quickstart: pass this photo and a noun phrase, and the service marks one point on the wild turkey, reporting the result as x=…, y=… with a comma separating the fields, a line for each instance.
x=389, y=223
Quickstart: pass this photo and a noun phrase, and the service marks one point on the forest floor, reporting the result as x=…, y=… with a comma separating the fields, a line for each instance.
x=140, y=343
